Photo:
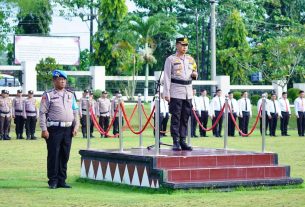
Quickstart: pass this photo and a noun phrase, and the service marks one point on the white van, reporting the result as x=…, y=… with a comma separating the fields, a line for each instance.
x=9, y=83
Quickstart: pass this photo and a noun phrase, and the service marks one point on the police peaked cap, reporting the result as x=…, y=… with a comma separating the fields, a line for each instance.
x=182, y=40
x=59, y=73
x=5, y=92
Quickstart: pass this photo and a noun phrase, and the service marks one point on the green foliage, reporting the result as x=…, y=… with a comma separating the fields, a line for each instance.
x=282, y=58
x=97, y=94
x=235, y=55
x=110, y=16
x=84, y=60
x=235, y=33
x=237, y=95
x=44, y=71
x=254, y=99
x=293, y=93
x=34, y=17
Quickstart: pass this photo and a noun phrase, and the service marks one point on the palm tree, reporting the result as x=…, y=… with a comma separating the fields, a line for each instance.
x=144, y=29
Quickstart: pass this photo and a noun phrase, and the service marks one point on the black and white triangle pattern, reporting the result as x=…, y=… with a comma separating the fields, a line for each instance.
x=129, y=174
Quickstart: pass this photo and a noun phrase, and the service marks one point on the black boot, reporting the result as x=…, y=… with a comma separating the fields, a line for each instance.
x=20, y=136
x=1, y=137
x=28, y=137
x=176, y=145
x=6, y=137
x=183, y=145
x=33, y=137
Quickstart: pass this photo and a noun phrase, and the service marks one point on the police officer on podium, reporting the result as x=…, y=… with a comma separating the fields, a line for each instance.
x=59, y=123
x=179, y=70
x=18, y=104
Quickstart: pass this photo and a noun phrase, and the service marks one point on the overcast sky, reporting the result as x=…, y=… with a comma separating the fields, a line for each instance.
x=75, y=27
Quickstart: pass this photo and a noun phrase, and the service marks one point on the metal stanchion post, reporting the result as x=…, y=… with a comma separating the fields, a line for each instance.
x=140, y=120
x=264, y=123
x=88, y=122
x=121, y=124
x=157, y=130
x=226, y=115
x=189, y=130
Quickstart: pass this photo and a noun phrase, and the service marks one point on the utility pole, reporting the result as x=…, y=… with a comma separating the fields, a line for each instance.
x=197, y=41
x=91, y=26
x=213, y=44
x=204, y=75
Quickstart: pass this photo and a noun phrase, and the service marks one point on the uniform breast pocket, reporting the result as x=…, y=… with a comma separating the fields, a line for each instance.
x=177, y=69
x=55, y=102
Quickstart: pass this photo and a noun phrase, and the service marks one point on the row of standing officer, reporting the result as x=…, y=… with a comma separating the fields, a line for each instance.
x=103, y=108
x=243, y=110
x=280, y=108
x=24, y=112
x=205, y=109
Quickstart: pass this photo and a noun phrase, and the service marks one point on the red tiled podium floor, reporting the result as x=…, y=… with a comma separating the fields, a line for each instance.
x=200, y=168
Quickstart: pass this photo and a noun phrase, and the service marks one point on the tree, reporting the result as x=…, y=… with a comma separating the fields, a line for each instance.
x=281, y=59
x=44, y=71
x=144, y=30
x=111, y=14
x=235, y=52
x=34, y=17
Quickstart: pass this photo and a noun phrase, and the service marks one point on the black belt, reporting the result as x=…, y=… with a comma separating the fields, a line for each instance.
x=2, y=112
x=18, y=111
x=104, y=112
x=84, y=109
x=30, y=111
x=182, y=82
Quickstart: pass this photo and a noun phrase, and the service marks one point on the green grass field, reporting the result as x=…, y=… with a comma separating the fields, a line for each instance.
x=23, y=180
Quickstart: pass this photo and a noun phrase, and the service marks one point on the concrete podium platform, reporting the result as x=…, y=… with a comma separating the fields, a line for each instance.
x=200, y=168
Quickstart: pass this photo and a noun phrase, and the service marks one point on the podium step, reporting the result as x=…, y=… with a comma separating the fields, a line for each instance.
x=217, y=160
x=226, y=173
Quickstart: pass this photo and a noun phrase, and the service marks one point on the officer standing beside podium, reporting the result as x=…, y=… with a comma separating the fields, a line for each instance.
x=179, y=70
x=59, y=123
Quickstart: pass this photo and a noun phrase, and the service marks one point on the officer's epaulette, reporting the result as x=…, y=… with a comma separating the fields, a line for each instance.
x=189, y=56
x=48, y=91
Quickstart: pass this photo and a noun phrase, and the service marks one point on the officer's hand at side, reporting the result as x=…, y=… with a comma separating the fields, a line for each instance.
x=45, y=134
x=194, y=75
x=167, y=98
x=74, y=132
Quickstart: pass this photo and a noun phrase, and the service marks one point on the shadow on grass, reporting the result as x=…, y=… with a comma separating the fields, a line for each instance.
x=165, y=190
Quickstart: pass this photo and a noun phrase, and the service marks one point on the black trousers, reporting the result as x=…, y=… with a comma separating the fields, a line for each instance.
x=19, y=121
x=301, y=123
x=284, y=122
x=5, y=123
x=161, y=118
x=164, y=124
x=116, y=127
x=231, y=126
x=261, y=122
x=180, y=109
x=84, y=125
x=30, y=125
x=204, y=121
x=244, y=122
x=194, y=123
x=104, y=122
x=273, y=123
x=218, y=127
x=59, y=145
